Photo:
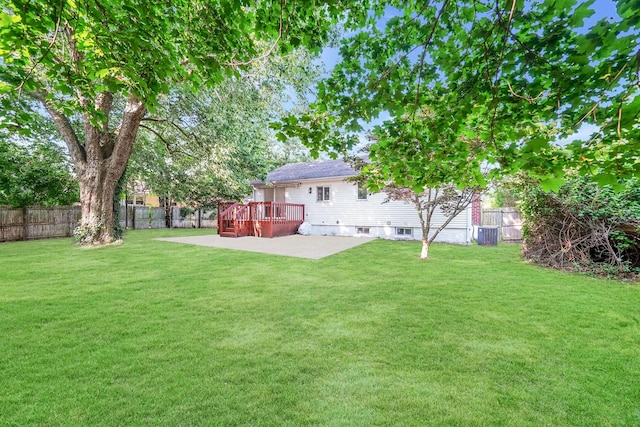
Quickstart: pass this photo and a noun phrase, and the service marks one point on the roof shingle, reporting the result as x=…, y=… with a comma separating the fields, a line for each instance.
x=311, y=170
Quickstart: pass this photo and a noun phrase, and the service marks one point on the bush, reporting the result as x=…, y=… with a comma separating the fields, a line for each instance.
x=584, y=227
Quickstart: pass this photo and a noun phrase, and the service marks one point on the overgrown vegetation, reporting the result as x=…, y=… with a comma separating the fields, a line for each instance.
x=584, y=227
x=504, y=193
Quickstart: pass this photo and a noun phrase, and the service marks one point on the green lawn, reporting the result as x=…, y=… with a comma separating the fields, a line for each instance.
x=157, y=333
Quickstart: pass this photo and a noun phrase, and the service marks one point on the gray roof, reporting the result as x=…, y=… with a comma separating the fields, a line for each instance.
x=311, y=170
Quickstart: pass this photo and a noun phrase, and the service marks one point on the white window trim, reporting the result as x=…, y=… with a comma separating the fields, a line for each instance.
x=366, y=193
x=323, y=187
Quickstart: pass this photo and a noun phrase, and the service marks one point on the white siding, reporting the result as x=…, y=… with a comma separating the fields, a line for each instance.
x=344, y=213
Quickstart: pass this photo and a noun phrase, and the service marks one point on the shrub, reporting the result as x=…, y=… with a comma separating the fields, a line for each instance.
x=584, y=227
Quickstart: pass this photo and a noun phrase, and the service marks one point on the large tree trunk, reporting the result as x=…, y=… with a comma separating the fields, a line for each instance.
x=100, y=161
x=97, y=188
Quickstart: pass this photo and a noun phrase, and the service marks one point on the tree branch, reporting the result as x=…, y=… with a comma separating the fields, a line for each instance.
x=178, y=127
x=234, y=63
x=525, y=97
x=103, y=103
x=76, y=150
x=426, y=44
x=597, y=104
x=167, y=144
x=125, y=134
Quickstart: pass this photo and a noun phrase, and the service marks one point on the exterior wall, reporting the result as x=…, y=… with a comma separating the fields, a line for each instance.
x=344, y=213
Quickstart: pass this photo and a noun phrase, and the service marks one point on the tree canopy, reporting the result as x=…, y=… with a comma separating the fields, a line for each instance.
x=500, y=81
x=205, y=147
x=75, y=57
x=66, y=48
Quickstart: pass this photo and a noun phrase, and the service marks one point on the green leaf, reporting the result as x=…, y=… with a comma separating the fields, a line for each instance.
x=628, y=8
x=552, y=184
x=537, y=144
x=606, y=179
x=102, y=73
x=7, y=19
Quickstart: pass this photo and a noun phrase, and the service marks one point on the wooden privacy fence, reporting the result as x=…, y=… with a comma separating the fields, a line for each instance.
x=197, y=219
x=145, y=217
x=508, y=221
x=37, y=222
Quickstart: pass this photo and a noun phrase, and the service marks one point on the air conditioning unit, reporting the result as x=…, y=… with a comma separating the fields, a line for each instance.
x=488, y=236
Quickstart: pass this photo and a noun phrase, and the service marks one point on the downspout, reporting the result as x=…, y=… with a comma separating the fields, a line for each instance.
x=469, y=224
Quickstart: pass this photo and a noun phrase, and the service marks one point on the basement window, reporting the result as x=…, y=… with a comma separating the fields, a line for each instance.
x=404, y=231
x=362, y=230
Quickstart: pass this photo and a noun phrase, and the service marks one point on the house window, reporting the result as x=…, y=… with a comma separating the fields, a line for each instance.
x=362, y=192
x=404, y=231
x=324, y=193
x=362, y=230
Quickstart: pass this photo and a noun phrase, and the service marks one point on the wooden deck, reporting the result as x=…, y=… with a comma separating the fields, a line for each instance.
x=260, y=219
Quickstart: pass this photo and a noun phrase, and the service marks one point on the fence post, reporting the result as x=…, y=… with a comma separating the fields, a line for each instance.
x=68, y=221
x=72, y=221
x=25, y=224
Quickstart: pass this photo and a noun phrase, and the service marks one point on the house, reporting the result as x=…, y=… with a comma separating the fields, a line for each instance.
x=141, y=195
x=334, y=206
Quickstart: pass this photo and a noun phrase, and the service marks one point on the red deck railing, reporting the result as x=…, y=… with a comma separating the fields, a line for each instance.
x=264, y=219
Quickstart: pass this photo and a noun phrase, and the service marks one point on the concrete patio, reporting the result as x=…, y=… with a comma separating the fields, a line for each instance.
x=312, y=247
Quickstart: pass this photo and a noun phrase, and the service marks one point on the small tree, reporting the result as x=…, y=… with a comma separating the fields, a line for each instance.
x=436, y=171
x=447, y=199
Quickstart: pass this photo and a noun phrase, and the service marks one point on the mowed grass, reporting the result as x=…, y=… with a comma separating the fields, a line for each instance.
x=158, y=333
